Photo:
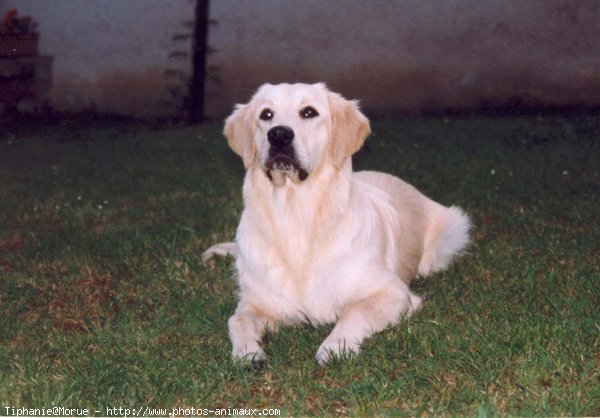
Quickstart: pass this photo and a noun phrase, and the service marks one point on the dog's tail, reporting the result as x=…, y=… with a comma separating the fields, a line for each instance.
x=446, y=238
x=222, y=249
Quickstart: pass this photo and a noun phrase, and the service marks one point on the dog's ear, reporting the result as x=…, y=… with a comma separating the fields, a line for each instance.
x=239, y=131
x=349, y=128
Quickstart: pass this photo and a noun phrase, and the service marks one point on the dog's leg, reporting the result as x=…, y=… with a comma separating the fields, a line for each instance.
x=246, y=329
x=222, y=249
x=362, y=319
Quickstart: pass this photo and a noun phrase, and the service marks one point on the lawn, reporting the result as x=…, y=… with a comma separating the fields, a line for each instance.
x=104, y=301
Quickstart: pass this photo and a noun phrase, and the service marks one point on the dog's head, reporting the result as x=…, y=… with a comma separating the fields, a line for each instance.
x=292, y=130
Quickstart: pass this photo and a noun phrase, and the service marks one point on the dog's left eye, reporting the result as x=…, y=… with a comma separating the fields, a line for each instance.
x=308, y=112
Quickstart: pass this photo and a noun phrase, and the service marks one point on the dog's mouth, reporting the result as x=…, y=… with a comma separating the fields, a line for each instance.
x=282, y=164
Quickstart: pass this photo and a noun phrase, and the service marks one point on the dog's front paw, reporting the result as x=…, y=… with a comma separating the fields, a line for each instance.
x=333, y=348
x=249, y=356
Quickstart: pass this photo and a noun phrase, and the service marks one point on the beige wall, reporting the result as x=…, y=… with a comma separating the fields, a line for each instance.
x=394, y=55
x=109, y=54
x=411, y=55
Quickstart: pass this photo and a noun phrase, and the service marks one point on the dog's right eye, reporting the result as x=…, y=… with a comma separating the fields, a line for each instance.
x=266, y=114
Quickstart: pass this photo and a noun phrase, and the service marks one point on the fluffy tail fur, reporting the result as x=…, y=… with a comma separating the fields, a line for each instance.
x=222, y=249
x=447, y=237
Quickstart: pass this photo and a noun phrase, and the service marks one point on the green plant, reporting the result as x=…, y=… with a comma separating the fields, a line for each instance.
x=178, y=78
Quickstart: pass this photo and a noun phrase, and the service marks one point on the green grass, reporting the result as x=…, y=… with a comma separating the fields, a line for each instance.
x=104, y=301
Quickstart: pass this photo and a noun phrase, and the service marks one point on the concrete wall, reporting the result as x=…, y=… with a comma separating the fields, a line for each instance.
x=109, y=54
x=394, y=55
x=408, y=55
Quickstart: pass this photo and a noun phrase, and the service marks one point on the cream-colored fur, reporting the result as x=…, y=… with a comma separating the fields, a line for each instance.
x=337, y=247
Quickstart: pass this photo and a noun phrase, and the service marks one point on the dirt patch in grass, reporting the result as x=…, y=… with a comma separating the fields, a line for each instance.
x=14, y=244
x=75, y=305
x=9, y=248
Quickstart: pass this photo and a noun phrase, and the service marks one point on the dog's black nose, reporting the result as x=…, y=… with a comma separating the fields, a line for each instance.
x=280, y=136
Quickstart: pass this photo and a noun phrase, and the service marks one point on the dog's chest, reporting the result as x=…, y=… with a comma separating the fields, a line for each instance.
x=295, y=292
x=283, y=263
x=285, y=238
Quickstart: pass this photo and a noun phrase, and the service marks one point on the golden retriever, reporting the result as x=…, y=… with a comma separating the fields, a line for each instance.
x=318, y=242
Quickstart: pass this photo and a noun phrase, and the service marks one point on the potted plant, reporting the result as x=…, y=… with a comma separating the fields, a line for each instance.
x=18, y=36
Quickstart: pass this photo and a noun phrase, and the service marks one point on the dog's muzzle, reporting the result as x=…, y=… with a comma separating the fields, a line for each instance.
x=282, y=160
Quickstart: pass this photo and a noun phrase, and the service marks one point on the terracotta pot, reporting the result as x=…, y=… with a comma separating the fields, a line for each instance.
x=18, y=46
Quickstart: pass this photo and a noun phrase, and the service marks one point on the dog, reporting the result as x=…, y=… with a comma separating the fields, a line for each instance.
x=317, y=242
